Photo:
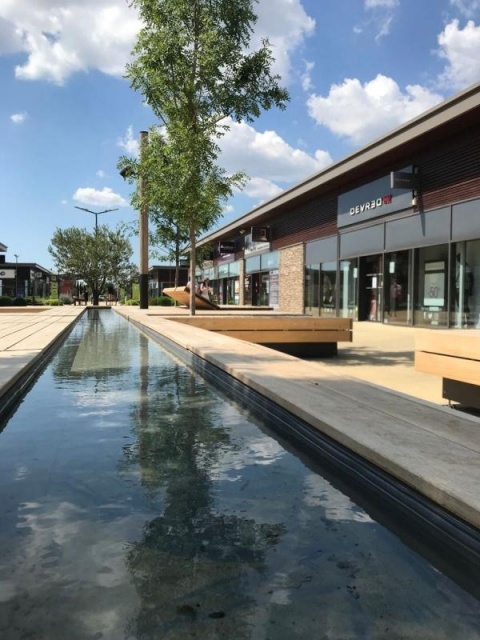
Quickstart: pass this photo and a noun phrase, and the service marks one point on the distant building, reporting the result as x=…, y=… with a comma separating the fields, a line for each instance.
x=161, y=276
x=23, y=279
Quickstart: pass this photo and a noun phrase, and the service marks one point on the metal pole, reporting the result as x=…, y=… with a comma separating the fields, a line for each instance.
x=16, y=274
x=143, y=229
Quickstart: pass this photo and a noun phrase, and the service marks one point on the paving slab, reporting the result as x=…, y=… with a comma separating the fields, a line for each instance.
x=24, y=337
x=428, y=446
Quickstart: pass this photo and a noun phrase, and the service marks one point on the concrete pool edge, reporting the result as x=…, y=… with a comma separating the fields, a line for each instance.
x=23, y=354
x=443, y=470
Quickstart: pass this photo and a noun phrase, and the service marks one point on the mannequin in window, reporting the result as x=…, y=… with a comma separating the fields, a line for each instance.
x=395, y=296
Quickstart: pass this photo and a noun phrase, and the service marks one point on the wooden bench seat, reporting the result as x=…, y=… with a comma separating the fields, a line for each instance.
x=298, y=335
x=183, y=297
x=455, y=357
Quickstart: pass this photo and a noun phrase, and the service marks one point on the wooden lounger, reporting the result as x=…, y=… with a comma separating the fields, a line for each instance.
x=183, y=297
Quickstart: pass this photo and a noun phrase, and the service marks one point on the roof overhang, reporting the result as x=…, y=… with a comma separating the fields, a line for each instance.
x=447, y=118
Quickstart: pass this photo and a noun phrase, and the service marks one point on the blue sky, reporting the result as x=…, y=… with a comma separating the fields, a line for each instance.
x=354, y=68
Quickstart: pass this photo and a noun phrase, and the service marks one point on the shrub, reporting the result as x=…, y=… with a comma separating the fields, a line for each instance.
x=161, y=301
x=53, y=302
x=66, y=299
x=6, y=301
x=131, y=303
x=19, y=302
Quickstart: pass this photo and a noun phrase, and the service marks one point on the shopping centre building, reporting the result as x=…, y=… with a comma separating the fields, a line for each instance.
x=390, y=233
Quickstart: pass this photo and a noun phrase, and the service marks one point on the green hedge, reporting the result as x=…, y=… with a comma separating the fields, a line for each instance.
x=6, y=301
x=53, y=302
x=161, y=301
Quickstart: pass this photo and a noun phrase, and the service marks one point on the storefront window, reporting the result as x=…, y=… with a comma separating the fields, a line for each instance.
x=465, y=285
x=431, y=286
x=349, y=289
x=252, y=264
x=397, y=287
x=312, y=289
x=328, y=287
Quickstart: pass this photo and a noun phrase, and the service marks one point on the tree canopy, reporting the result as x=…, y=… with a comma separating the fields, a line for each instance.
x=193, y=65
x=97, y=258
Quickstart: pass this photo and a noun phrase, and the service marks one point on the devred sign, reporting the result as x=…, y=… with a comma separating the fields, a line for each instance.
x=372, y=204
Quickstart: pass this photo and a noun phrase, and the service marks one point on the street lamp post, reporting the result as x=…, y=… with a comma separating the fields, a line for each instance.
x=95, y=213
x=16, y=274
x=142, y=225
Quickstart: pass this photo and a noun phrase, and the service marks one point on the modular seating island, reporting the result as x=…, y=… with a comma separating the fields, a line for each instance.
x=454, y=356
x=302, y=336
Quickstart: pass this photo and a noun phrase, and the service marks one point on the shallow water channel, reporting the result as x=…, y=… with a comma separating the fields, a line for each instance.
x=138, y=502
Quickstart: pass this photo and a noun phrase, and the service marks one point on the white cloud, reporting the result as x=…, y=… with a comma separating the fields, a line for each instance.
x=468, y=8
x=381, y=17
x=18, y=118
x=104, y=198
x=128, y=143
x=384, y=4
x=61, y=37
x=306, y=77
x=267, y=155
x=286, y=28
x=461, y=49
x=362, y=112
x=270, y=162
x=261, y=188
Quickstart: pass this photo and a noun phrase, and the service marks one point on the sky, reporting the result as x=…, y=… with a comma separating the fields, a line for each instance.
x=354, y=69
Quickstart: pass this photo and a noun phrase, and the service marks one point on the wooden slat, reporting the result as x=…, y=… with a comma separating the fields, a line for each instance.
x=446, y=366
x=183, y=297
x=460, y=344
x=288, y=337
x=268, y=323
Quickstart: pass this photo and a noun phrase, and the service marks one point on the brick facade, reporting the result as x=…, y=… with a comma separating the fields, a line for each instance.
x=291, y=276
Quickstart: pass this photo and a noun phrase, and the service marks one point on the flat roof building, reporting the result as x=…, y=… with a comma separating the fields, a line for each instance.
x=390, y=233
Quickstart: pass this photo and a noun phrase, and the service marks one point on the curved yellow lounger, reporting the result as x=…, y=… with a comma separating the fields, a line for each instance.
x=183, y=297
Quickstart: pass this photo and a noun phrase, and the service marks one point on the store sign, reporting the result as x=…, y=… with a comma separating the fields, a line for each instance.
x=225, y=248
x=372, y=204
x=372, y=200
x=7, y=273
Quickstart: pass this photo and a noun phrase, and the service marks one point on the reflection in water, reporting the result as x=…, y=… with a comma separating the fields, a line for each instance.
x=190, y=547
x=137, y=503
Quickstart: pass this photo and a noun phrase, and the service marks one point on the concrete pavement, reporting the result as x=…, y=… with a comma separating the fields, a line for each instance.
x=370, y=399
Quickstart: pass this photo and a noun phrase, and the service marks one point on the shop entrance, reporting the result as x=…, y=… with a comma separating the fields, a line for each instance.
x=371, y=289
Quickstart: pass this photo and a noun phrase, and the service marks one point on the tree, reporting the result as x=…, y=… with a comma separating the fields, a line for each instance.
x=193, y=65
x=98, y=258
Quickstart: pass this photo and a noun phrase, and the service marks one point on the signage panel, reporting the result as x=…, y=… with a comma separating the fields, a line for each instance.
x=7, y=273
x=372, y=200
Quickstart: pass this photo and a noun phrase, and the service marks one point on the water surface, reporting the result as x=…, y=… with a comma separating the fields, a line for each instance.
x=136, y=502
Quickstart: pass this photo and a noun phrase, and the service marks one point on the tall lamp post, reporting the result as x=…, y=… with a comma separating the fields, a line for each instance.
x=95, y=213
x=16, y=274
x=142, y=225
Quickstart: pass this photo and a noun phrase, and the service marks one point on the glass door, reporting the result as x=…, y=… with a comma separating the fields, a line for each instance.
x=371, y=289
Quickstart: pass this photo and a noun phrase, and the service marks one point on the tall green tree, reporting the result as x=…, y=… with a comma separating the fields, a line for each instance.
x=98, y=258
x=193, y=65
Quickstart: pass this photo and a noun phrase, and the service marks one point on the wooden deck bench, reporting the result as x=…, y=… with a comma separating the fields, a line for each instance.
x=301, y=336
x=183, y=297
x=454, y=356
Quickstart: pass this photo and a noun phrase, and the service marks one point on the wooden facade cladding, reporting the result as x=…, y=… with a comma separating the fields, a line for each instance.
x=310, y=220
x=450, y=172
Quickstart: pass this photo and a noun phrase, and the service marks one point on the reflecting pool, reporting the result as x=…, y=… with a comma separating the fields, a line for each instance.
x=137, y=502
